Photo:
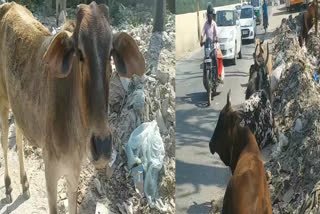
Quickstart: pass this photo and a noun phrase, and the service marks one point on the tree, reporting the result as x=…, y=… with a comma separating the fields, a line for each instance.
x=160, y=15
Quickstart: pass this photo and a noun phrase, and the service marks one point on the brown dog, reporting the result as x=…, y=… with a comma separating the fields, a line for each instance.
x=247, y=191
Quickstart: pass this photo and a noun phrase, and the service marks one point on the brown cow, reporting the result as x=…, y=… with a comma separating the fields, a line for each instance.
x=259, y=74
x=57, y=87
x=247, y=191
x=309, y=18
x=262, y=55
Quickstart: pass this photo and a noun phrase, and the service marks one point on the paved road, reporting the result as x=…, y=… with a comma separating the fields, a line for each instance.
x=201, y=177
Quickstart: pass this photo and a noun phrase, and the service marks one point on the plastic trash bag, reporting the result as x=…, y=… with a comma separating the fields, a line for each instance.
x=145, y=146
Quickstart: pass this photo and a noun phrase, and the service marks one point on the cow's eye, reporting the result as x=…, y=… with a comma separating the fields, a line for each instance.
x=80, y=55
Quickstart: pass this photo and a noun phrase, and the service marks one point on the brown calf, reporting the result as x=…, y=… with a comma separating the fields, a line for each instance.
x=57, y=87
x=247, y=191
x=260, y=72
x=262, y=55
x=309, y=18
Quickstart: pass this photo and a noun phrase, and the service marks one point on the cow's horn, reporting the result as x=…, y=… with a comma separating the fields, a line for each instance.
x=228, y=98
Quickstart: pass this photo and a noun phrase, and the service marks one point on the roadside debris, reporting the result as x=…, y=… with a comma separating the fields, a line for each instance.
x=294, y=165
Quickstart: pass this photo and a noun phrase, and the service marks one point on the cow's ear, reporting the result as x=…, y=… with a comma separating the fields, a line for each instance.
x=59, y=55
x=126, y=55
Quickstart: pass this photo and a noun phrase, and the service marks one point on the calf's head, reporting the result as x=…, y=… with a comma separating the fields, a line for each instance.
x=88, y=50
x=225, y=133
x=259, y=55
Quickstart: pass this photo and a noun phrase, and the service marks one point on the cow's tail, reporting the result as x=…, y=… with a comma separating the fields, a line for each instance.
x=268, y=53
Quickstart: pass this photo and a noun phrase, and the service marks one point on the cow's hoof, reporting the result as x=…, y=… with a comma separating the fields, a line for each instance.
x=8, y=198
x=26, y=194
x=25, y=183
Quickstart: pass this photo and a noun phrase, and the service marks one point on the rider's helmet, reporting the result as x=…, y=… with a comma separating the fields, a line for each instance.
x=210, y=10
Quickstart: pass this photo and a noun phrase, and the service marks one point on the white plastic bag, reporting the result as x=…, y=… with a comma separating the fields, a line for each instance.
x=145, y=146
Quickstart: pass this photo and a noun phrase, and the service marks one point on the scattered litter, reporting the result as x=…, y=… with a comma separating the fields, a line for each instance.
x=316, y=77
x=145, y=147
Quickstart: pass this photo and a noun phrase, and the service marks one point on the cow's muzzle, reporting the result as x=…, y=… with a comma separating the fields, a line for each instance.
x=101, y=150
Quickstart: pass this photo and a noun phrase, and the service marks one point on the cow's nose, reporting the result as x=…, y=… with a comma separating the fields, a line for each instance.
x=102, y=148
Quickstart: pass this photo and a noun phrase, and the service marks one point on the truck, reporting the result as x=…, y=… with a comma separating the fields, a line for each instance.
x=295, y=4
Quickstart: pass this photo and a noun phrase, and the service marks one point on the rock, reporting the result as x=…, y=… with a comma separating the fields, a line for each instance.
x=283, y=142
x=288, y=195
x=269, y=176
x=102, y=209
x=163, y=77
x=275, y=77
x=298, y=125
x=161, y=124
x=63, y=196
x=98, y=187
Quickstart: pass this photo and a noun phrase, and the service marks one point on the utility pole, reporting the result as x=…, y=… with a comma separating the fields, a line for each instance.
x=198, y=20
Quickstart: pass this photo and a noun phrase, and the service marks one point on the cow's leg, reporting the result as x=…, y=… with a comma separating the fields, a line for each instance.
x=51, y=173
x=72, y=184
x=4, y=141
x=23, y=175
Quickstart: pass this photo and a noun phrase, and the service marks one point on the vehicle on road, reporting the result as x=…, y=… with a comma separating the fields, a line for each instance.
x=248, y=23
x=295, y=4
x=210, y=69
x=257, y=6
x=229, y=34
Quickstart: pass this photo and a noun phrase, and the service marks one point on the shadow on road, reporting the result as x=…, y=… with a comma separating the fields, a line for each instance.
x=207, y=175
x=199, y=208
x=236, y=74
x=198, y=99
x=14, y=205
x=191, y=133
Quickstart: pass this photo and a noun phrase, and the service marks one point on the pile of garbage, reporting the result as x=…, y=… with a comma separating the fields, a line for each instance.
x=293, y=168
x=142, y=119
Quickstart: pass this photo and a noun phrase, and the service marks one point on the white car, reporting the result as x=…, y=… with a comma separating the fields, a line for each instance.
x=229, y=34
x=248, y=23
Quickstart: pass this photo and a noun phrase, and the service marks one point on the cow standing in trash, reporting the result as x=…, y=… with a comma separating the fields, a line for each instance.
x=256, y=111
x=238, y=149
x=260, y=71
x=57, y=87
x=308, y=20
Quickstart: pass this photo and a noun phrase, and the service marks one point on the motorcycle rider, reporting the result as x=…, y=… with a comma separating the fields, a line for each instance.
x=210, y=30
x=265, y=15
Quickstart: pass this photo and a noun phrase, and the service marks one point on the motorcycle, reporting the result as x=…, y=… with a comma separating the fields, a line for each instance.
x=210, y=69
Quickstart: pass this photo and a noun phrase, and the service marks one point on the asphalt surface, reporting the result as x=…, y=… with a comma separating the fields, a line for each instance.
x=200, y=176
